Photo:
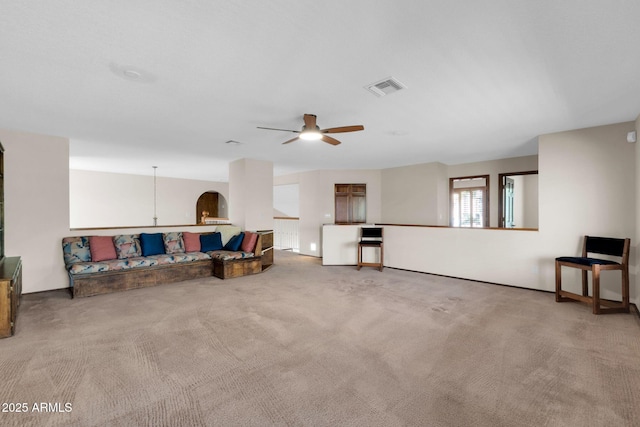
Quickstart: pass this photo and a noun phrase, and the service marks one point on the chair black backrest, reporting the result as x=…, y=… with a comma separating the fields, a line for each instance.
x=605, y=245
x=371, y=232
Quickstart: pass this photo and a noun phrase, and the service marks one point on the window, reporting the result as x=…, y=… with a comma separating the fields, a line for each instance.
x=351, y=203
x=469, y=201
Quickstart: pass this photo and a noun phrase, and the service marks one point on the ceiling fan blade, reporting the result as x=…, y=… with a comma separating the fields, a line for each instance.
x=291, y=140
x=343, y=129
x=330, y=140
x=310, y=121
x=283, y=130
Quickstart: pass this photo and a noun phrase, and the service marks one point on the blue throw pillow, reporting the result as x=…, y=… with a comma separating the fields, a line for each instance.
x=210, y=242
x=152, y=244
x=234, y=243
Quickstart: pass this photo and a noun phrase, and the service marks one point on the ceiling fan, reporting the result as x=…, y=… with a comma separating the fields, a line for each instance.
x=310, y=131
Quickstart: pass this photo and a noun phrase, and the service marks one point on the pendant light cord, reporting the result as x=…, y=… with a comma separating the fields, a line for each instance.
x=155, y=197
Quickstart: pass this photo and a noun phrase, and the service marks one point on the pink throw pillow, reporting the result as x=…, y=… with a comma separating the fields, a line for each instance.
x=249, y=241
x=102, y=248
x=191, y=241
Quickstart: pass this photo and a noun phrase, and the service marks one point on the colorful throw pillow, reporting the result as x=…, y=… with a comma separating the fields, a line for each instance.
x=152, y=244
x=210, y=242
x=102, y=248
x=191, y=241
x=173, y=243
x=127, y=246
x=234, y=243
x=76, y=249
x=249, y=242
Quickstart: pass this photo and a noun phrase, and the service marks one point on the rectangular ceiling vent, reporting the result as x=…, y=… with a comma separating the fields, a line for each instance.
x=385, y=87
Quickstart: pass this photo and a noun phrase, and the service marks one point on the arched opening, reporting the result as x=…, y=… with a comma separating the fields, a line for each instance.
x=211, y=205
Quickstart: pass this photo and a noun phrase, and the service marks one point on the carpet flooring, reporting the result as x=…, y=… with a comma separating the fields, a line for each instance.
x=307, y=345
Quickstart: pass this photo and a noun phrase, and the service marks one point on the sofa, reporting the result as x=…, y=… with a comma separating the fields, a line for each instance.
x=104, y=264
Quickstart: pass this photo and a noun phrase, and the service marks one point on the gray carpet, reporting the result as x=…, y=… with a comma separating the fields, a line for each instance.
x=303, y=344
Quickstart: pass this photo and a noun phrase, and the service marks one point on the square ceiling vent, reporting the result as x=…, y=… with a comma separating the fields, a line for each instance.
x=385, y=86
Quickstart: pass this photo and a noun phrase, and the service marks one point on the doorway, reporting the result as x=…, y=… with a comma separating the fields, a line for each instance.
x=518, y=200
x=213, y=204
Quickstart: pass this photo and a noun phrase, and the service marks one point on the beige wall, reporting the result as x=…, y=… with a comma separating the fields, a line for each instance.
x=317, y=201
x=634, y=259
x=586, y=186
x=251, y=194
x=419, y=194
x=102, y=199
x=530, y=203
x=36, y=206
x=413, y=194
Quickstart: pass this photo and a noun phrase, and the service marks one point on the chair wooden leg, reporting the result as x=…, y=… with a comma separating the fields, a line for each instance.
x=381, y=257
x=558, y=281
x=595, y=283
x=625, y=290
x=585, y=283
x=359, y=256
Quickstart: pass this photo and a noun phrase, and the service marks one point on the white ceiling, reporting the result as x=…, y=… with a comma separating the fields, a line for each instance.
x=484, y=78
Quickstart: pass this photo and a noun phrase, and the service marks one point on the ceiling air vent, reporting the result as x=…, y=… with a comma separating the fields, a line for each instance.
x=385, y=87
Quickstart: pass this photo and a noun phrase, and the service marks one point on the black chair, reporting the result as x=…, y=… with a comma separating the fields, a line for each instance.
x=370, y=237
x=597, y=245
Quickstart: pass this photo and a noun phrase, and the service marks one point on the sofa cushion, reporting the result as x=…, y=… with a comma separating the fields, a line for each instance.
x=102, y=248
x=142, y=262
x=88, y=267
x=210, y=242
x=178, y=258
x=229, y=255
x=96, y=267
x=198, y=256
x=127, y=245
x=173, y=243
x=191, y=241
x=152, y=244
x=76, y=249
x=234, y=243
x=249, y=242
x=163, y=259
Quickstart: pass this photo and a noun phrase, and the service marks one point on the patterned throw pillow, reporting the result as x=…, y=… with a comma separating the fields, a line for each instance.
x=76, y=249
x=173, y=243
x=127, y=245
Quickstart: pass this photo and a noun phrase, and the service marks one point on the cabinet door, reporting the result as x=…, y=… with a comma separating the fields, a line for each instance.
x=6, y=309
x=10, y=292
x=358, y=209
x=351, y=203
x=342, y=208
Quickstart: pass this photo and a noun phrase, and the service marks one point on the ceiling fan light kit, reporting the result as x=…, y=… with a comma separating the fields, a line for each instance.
x=310, y=135
x=312, y=132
